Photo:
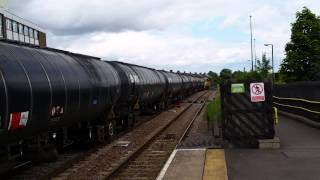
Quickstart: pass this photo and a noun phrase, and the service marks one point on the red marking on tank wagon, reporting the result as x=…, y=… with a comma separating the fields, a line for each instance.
x=18, y=120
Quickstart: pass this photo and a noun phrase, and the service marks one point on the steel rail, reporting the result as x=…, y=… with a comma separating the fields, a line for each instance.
x=154, y=135
x=191, y=123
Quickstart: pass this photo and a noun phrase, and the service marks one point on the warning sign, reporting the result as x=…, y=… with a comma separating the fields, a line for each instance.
x=257, y=92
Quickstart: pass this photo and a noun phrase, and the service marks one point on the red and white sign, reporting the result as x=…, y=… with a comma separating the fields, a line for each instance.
x=257, y=92
x=18, y=120
x=57, y=111
x=53, y=111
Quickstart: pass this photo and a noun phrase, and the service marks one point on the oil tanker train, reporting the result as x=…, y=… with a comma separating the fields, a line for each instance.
x=50, y=98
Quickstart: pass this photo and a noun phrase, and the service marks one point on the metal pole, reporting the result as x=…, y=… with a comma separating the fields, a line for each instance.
x=251, y=44
x=255, y=56
x=273, y=75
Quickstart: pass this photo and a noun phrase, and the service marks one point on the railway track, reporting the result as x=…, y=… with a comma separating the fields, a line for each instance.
x=200, y=133
x=147, y=162
x=106, y=160
x=30, y=171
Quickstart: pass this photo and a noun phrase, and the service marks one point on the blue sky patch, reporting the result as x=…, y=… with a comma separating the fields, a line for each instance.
x=214, y=29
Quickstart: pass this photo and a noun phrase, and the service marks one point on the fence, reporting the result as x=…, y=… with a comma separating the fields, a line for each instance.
x=245, y=122
x=302, y=98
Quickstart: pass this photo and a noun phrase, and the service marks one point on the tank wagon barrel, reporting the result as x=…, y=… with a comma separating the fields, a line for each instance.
x=174, y=87
x=145, y=87
x=44, y=91
x=49, y=89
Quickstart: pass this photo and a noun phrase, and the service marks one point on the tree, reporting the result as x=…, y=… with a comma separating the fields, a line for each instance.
x=302, y=61
x=239, y=76
x=214, y=77
x=225, y=74
x=212, y=74
x=263, y=66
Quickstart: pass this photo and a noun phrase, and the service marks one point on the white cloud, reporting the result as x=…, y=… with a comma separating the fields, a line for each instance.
x=153, y=32
x=161, y=50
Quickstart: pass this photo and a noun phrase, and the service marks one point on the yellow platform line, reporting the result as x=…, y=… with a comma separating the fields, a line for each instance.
x=215, y=165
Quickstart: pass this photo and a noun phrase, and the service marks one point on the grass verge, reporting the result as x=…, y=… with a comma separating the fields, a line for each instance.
x=213, y=110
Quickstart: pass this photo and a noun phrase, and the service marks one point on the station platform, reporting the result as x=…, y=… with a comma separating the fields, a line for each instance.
x=196, y=164
x=298, y=158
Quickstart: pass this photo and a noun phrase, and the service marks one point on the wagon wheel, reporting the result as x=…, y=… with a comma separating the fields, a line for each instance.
x=131, y=119
x=124, y=122
x=110, y=129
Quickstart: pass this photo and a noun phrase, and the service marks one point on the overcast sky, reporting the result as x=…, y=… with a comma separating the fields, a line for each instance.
x=188, y=35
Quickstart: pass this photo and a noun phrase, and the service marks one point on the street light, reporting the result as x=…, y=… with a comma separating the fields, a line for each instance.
x=251, y=43
x=254, y=54
x=273, y=78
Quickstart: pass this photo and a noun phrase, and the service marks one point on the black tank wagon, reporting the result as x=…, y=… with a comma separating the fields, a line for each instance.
x=174, y=86
x=42, y=90
x=199, y=82
x=187, y=83
x=51, y=98
x=143, y=88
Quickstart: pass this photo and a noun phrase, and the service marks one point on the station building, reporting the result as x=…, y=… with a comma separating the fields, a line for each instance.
x=15, y=28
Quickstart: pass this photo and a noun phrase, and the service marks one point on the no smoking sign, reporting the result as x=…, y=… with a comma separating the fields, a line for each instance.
x=257, y=92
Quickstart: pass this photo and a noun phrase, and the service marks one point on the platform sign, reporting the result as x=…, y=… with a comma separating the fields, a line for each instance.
x=237, y=88
x=257, y=92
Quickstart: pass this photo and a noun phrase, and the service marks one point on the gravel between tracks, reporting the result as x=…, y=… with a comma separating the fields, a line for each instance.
x=200, y=134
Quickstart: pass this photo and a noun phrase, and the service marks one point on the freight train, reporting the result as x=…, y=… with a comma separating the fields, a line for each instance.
x=51, y=98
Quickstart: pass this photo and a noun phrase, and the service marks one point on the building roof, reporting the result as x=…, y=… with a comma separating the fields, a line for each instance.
x=21, y=20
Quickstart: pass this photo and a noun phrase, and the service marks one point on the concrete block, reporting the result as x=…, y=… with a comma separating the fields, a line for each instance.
x=276, y=145
x=265, y=145
x=269, y=143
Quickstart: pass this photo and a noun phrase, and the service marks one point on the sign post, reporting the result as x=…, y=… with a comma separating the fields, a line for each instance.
x=257, y=92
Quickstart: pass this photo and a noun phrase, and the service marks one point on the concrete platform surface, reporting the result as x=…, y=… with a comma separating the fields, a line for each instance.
x=297, y=159
x=195, y=164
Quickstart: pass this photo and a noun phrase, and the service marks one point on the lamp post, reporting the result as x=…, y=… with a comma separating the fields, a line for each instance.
x=251, y=43
x=254, y=54
x=273, y=78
